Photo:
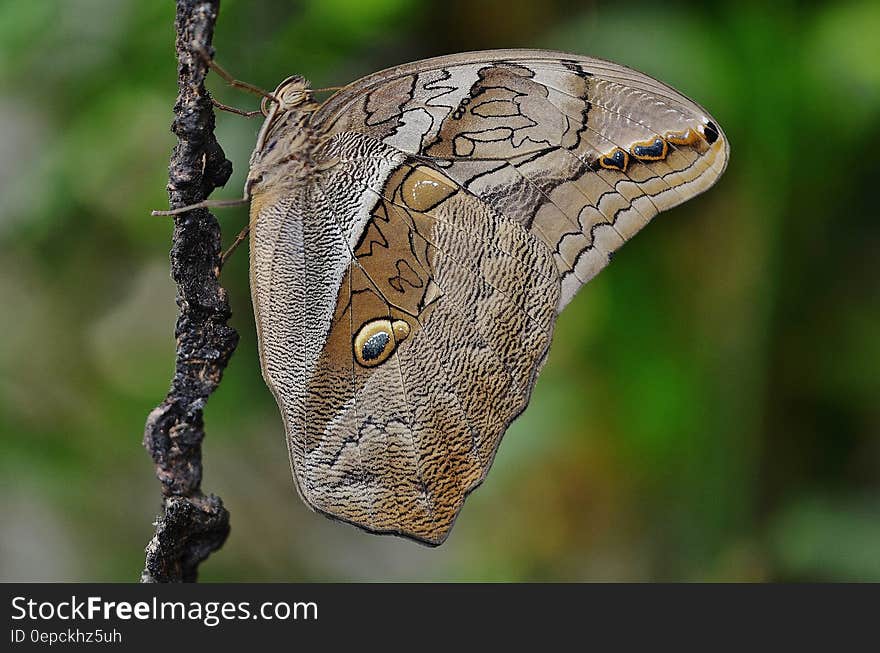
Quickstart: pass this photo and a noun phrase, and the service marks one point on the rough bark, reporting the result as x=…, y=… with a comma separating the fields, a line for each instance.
x=192, y=525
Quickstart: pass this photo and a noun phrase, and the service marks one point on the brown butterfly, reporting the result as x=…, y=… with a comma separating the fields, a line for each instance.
x=413, y=240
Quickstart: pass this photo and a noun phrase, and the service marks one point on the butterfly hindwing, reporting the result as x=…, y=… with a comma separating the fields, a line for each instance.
x=432, y=351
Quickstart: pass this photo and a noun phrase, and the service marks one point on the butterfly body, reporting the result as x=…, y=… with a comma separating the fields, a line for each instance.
x=413, y=240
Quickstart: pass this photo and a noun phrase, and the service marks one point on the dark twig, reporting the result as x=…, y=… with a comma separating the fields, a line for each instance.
x=192, y=525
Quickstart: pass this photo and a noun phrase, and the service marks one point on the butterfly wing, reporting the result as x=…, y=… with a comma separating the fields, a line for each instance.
x=401, y=323
x=406, y=297
x=581, y=151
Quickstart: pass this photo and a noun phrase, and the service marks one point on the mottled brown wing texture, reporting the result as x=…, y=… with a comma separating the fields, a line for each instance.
x=401, y=325
x=582, y=152
x=406, y=294
x=441, y=320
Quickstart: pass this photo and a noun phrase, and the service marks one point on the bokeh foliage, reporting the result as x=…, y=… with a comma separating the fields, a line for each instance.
x=710, y=408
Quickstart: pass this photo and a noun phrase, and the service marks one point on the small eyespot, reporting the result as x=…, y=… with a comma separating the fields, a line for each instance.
x=652, y=150
x=617, y=159
x=710, y=132
x=377, y=340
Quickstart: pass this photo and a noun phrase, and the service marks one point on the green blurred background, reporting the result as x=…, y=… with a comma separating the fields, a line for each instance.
x=710, y=407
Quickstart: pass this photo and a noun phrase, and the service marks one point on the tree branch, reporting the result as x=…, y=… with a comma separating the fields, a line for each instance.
x=192, y=525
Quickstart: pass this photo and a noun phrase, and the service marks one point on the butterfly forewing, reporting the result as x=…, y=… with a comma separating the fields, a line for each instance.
x=581, y=151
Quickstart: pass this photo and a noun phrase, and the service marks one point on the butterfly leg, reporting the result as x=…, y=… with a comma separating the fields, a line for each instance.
x=239, y=239
x=207, y=204
x=229, y=79
x=240, y=112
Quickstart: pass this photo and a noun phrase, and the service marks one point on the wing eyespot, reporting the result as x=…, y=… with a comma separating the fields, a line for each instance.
x=617, y=159
x=710, y=132
x=652, y=150
x=377, y=340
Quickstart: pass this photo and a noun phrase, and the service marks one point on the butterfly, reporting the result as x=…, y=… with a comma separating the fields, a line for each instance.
x=414, y=238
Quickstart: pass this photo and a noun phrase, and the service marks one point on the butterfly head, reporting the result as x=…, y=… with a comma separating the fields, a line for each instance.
x=293, y=92
x=283, y=153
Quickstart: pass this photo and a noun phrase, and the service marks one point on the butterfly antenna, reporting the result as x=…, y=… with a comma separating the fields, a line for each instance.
x=232, y=81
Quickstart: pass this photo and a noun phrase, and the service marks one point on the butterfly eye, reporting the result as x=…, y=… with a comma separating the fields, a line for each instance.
x=293, y=97
x=292, y=92
x=377, y=340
